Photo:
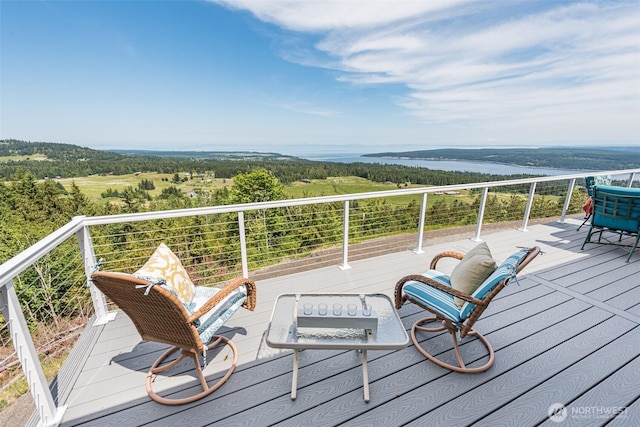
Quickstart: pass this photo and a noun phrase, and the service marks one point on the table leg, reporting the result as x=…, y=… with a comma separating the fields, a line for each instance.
x=365, y=376
x=294, y=379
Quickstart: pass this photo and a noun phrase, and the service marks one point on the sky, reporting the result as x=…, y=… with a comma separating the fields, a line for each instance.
x=304, y=77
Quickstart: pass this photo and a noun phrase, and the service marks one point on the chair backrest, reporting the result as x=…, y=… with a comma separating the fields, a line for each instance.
x=494, y=284
x=590, y=182
x=617, y=208
x=157, y=314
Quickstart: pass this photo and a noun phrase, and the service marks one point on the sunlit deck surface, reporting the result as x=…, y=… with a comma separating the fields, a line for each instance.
x=567, y=333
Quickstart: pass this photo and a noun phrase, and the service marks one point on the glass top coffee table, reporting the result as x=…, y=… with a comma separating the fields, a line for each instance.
x=357, y=322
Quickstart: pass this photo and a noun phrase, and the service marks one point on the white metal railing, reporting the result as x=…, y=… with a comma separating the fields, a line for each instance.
x=51, y=414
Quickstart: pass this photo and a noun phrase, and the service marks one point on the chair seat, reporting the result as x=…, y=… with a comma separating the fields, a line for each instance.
x=210, y=322
x=436, y=299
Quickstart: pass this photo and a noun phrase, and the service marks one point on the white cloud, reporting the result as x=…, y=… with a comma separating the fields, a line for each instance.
x=480, y=62
x=337, y=14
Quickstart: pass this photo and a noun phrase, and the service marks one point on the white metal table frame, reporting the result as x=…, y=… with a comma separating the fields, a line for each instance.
x=283, y=332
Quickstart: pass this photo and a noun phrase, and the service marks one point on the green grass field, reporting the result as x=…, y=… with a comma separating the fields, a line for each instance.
x=334, y=186
x=351, y=185
x=4, y=159
x=93, y=186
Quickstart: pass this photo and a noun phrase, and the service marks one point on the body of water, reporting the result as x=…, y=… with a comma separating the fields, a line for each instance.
x=446, y=165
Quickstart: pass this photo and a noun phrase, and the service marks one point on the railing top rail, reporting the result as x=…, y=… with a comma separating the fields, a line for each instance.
x=24, y=259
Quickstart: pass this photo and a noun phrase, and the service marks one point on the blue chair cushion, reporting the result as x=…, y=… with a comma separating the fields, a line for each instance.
x=441, y=302
x=210, y=322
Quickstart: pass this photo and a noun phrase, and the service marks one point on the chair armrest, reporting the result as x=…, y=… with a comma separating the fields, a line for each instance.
x=399, y=297
x=533, y=252
x=232, y=285
x=252, y=291
x=447, y=254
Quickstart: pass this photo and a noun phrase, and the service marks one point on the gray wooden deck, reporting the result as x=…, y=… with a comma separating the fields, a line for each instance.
x=568, y=333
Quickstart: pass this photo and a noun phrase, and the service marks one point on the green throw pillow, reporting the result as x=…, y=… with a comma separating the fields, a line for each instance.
x=474, y=268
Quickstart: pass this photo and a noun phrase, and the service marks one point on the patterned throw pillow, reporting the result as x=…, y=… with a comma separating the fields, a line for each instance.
x=602, y=180
x=474, y=268
x=165, y=265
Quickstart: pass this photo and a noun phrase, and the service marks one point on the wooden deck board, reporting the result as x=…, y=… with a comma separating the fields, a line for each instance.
x=538, y=383
x=560, y=335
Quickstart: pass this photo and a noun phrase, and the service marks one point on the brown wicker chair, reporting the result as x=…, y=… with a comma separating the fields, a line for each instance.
x=160, y=316
x=433, y=292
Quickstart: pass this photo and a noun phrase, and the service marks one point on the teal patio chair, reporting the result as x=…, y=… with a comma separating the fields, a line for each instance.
x=615, y=210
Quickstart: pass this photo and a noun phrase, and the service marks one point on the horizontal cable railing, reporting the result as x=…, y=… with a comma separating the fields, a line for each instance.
x=45, y=287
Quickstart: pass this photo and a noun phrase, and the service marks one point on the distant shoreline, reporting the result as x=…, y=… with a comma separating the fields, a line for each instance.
x=579, y=159
x=492, y=168
x=435, y=159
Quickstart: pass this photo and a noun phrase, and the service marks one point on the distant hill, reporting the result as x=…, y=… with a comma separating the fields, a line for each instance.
x=578, y=158
x=48, y=159
x=209, y=155
x=53, y=151
x=68, y=152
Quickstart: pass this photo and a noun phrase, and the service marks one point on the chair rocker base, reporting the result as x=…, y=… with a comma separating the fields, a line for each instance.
x=206, y=389
x=446, y=326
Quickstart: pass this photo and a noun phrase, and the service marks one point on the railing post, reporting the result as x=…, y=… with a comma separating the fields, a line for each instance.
x=50, y=414
x=567, y=200
x=243, y=244
x=527, y=210
x=483, y=202
x=423, y=213
x=632, y=176
x=345, y=238
x=89, y=260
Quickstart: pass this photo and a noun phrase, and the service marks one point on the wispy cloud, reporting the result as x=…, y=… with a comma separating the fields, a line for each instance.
x=337, y=15
x=308, y=109
x=478, y=61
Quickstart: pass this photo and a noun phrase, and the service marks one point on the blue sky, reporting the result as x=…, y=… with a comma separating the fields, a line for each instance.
x=301, y=77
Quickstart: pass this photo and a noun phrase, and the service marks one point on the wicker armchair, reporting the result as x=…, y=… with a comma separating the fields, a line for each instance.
x=160, y=316
x=432, y=291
